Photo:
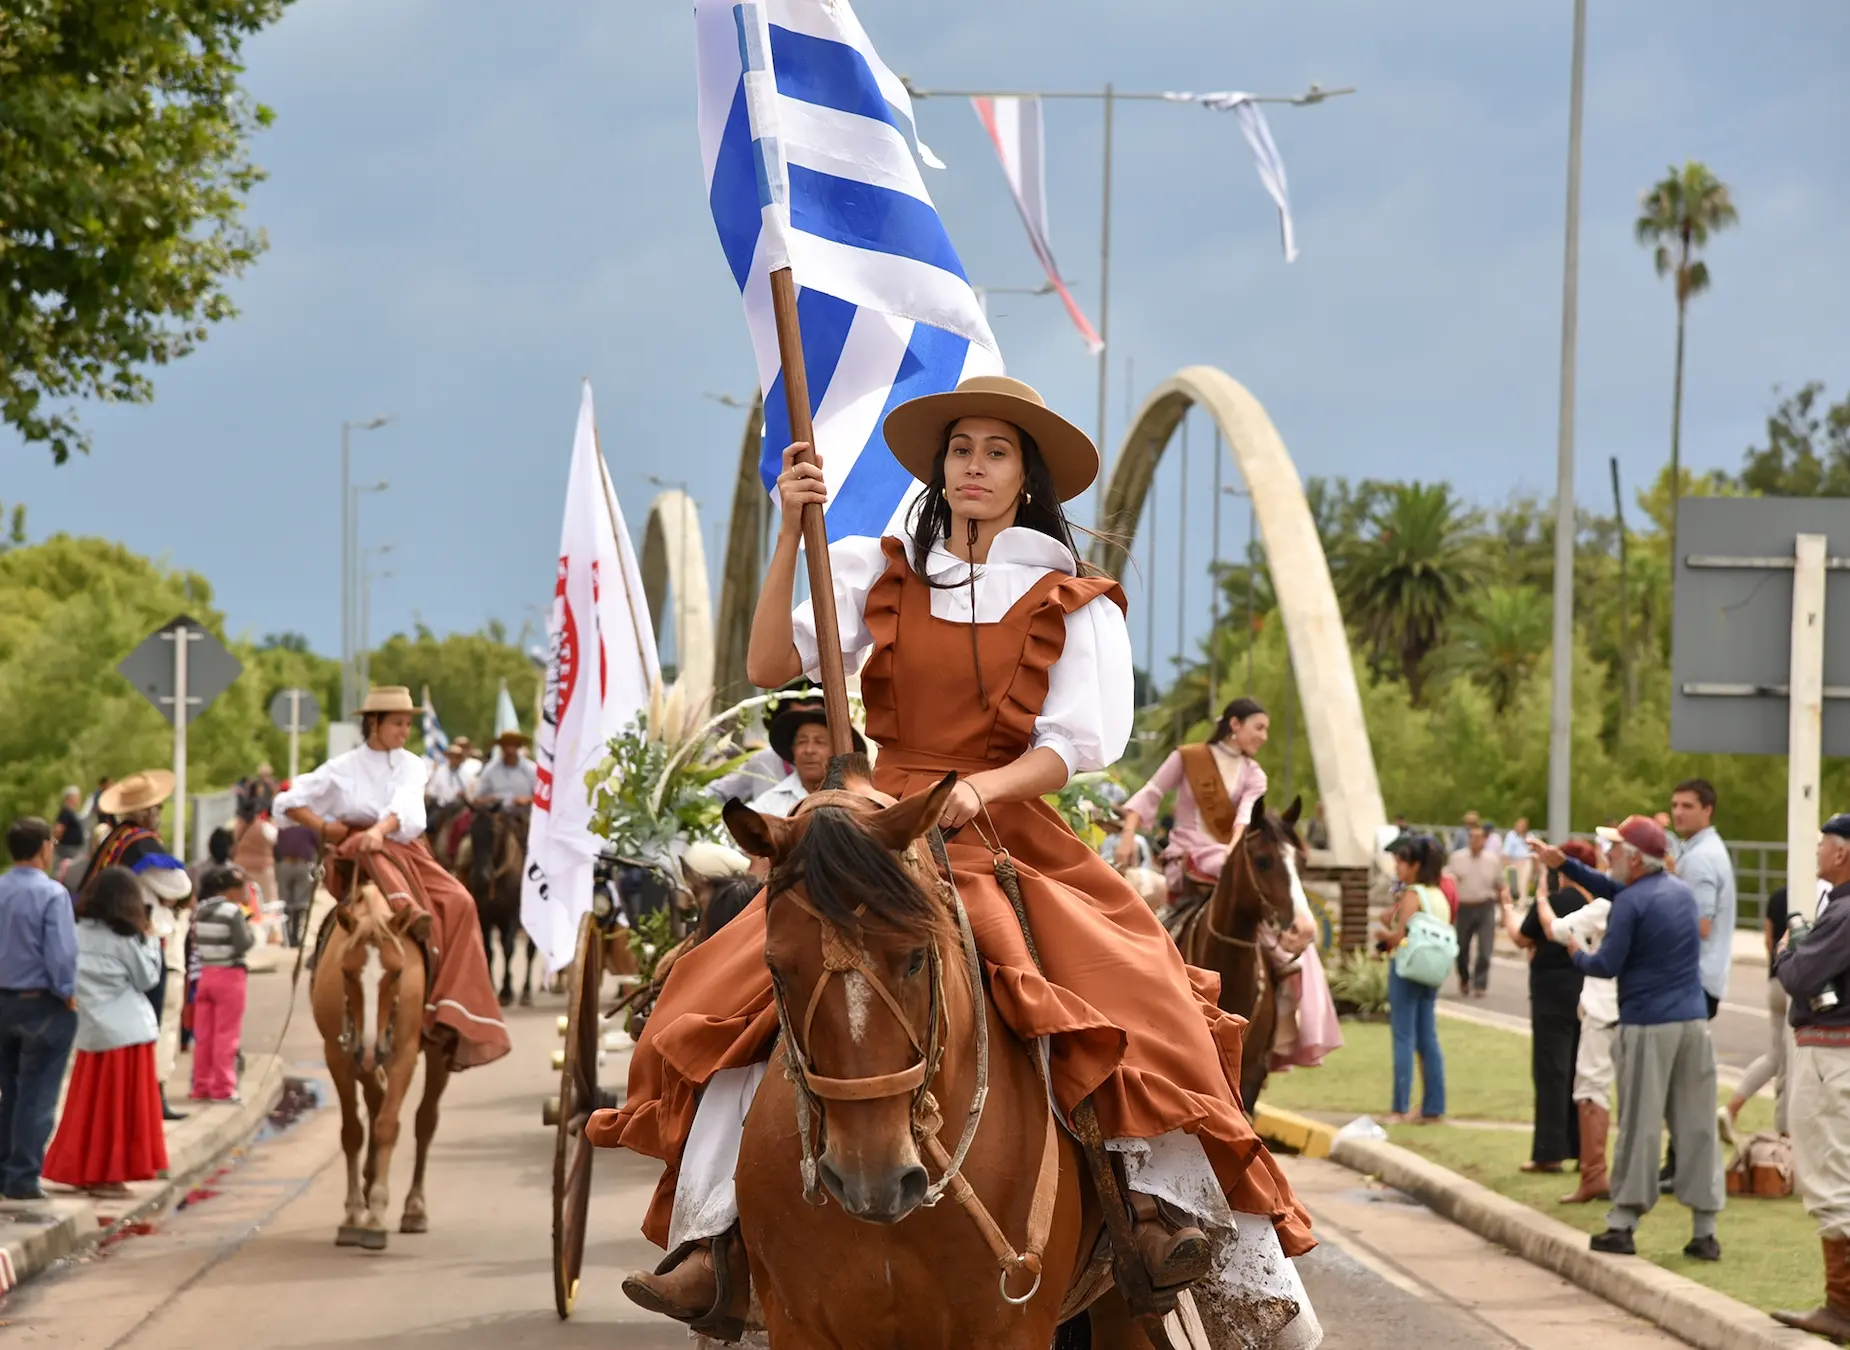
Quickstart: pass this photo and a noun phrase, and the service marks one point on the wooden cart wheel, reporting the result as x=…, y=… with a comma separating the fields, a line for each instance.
x=578, y=1096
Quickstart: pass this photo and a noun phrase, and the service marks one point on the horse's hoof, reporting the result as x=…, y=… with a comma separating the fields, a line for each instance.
x=526, y=998
x=373, y=1239
x=505, y=997
x=350, y=1235
x=414, y=1223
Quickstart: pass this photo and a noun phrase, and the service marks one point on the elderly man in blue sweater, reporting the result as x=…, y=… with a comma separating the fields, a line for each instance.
x=1666, y=1061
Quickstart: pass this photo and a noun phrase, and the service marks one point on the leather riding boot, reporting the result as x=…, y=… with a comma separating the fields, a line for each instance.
x=707, y=1285
x=1832, y=1319
x=1174, y=1252
x=1594, y=1120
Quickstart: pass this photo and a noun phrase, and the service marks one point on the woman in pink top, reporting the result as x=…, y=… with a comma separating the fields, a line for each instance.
x=1216, y=787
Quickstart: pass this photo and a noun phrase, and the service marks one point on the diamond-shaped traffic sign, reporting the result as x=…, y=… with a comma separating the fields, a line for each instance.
x=151, y=667
x=295, y=710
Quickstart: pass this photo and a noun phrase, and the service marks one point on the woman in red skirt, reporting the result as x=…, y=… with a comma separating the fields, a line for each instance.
x=111, y=1131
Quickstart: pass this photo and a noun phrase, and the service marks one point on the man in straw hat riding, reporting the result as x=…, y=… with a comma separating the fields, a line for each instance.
x=991, y=653
x=369, y=804
x=509, y=780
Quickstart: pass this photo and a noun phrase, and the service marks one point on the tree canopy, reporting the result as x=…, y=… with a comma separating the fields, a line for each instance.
x=123, y=176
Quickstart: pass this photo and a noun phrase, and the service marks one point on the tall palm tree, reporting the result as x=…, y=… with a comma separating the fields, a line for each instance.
x=1407, y=574
x=1499, y=644
x=1676, y=216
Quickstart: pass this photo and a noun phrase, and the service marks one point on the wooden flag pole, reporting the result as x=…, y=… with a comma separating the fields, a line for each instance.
x=815, y=529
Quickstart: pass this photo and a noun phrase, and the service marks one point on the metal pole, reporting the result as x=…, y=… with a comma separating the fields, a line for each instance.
x=346, y=576
x=1104, y=315
x=295, y=731
x=1561, y=720
x=366, y=623
x=181, y=636
x=1214, y=590
x=1625, y=622
x=1805, y=733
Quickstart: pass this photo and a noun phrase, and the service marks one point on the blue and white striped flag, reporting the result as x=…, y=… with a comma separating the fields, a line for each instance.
x=807, y=141
x=435, y=739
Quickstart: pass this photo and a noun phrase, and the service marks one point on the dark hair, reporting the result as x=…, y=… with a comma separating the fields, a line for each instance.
x=1701, y=789
x=1039, y=509
x=726, y=897
x=1423, y=851
x=25, y=837
x=1237, y=711
x=115, y=897
x=219, y=879
x=853, y=882
x=219, y=846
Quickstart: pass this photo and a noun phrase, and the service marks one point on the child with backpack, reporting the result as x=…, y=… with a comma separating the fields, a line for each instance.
x=1423, y=947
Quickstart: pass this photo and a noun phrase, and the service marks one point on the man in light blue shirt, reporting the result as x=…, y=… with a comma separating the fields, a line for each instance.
x=38, y=1008
x=1707, y=869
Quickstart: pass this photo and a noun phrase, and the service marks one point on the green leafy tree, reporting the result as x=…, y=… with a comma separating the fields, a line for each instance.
x=1403, y=579
x=1500, y=641
x=463, y=673
x=1807, y=450
x=123, y=176
x=1676, y=216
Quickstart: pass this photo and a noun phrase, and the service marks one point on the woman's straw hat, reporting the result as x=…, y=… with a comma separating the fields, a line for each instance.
x=915, y=430
x=388, y=698
x=138, y=792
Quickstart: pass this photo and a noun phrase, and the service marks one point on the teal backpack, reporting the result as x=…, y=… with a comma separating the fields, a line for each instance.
x=1429, y=951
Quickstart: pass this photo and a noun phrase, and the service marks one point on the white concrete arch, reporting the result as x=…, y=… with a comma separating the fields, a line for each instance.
x=675, y=558
x=1314, y=631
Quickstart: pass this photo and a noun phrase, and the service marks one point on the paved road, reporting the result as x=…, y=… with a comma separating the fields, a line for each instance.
x=251, y=1260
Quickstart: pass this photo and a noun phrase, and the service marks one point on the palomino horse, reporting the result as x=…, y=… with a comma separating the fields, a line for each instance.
x=895, y=1058
x=368, y=997
x=1222, y=932
x=498, y=845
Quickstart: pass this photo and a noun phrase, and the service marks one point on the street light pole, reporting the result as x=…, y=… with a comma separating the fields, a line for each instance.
x=352, y=673
x=1561, y=720
x=1104, y=308
x=348, y=542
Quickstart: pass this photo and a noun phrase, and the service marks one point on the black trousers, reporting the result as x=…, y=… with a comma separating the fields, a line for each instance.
x=1554, y=1043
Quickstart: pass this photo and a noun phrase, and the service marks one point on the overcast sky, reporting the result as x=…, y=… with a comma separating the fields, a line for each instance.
x=471, y=205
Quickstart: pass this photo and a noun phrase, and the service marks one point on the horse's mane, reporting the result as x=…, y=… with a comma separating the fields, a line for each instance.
x=851, y=880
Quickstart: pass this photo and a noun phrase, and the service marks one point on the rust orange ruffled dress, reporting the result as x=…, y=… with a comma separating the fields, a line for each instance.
x=1129, y=1023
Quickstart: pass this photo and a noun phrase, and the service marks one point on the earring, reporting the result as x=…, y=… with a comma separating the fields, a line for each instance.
x=1027, y=499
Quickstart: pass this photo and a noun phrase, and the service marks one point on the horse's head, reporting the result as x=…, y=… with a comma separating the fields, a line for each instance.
x=1264, y=868
x=852, y=938
x=380, y=946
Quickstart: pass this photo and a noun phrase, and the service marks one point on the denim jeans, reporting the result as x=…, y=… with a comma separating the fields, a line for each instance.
x=1415, y=1027
x=35, y=1043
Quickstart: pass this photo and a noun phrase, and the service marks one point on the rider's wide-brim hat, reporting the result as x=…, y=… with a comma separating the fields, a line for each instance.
x=388, y=698
x=138, y=792
x=916, y=429
x=515, y=738
x=784, y=727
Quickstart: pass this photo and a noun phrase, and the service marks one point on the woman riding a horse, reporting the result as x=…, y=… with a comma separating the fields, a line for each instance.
x=990, y=655
x=1216, y=785
x=369, y=802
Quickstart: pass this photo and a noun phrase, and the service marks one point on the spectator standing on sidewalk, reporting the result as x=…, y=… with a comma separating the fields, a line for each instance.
x=1599, y=1014
x=68, y=831
x=1705, y=866
x=296, y=848
x=38, y=1005
x=1554, y=1031
x=222, y=935
x=111, y=1131
x=1478, y=870
x=1771, y=1066
x=1412, y=1010
x=1815, y=972
x=1517, y=855
x=1666, y=1059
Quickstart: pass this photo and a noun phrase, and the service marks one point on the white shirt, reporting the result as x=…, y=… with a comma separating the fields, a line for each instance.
x=361, y=787
x=782, y=799
x=1086, y=718
x=449, y=785
x=1599, y=999
x=504, y=781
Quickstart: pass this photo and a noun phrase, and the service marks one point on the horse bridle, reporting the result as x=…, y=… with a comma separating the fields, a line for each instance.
x=1207, y=912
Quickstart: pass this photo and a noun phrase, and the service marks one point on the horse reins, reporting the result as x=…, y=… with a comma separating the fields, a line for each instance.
x=840, y=956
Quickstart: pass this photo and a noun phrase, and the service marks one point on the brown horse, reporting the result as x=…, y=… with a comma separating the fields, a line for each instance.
x=1222, y=933
x=448, y=845
x=498, y=845
x=368, y=996
x=895, y=1058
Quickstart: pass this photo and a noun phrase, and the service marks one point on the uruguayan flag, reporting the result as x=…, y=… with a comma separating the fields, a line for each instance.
x=435, y=740
x=807, y=140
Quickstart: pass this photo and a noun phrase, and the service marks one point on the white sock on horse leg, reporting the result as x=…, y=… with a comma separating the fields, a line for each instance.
x=705, y=1202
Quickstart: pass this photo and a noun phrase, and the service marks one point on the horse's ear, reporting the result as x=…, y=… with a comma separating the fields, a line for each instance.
x=1293, y=811
x=1259, y=808
x=759, y=835
x=897, y=826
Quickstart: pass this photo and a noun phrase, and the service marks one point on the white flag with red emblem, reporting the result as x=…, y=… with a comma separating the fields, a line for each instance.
x=601, y=662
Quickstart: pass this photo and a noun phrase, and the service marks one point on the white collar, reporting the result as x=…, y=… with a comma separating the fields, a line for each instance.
x=1016, y=546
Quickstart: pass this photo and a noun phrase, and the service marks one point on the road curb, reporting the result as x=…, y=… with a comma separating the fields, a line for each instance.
x=1690, y=1311
x=1288, y=1129
x=34, y=1236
